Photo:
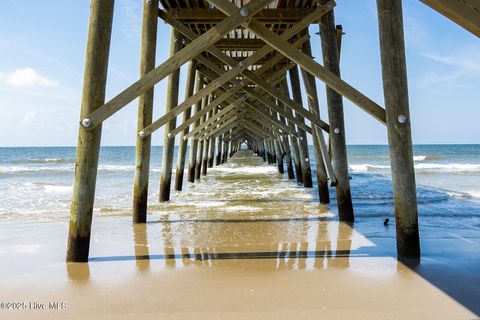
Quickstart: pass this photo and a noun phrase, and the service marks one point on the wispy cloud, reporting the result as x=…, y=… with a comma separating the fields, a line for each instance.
x=28, y=78
x=462, y=68
x=130, y=15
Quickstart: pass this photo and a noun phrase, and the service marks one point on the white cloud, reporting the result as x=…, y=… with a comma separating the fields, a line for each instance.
x=28, y=78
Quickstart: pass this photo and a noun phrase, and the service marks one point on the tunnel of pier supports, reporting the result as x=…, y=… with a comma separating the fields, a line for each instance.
x=248, y=62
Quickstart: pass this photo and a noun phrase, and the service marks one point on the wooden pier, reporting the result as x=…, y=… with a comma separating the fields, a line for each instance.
x=247, y=63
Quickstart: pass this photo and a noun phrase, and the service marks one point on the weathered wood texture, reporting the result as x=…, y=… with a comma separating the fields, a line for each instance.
x=93, y=97
x=182, y=145
x=192, y=157
x=394, y=72
x=466, y=13
x=173, y=63
x=169, y=143
x=145, y=111
x=336, y=119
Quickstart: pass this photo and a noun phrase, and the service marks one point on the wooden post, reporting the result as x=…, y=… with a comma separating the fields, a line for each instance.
x=192, y=157
x=206, y=143
x=145, y=111
x=394, y=72
x=93, y=97
x=335, y=118
x=211, y=152
x=169, y=143
x=278, y=152
x=293, y=140
x=288, y=158
x=201, y=143
x=303, y=143
x=182, y=146
x=311, y=89
x=218, y=151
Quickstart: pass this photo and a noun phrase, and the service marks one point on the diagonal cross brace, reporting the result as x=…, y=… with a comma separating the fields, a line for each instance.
x=172, y=64
x=307, y=63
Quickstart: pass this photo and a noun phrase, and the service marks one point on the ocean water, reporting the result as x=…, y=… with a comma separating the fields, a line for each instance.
x=36, y=186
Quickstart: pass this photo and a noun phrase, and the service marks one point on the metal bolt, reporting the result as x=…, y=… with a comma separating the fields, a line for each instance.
x=337, y=130
x=244, y=12
x=86, y=122
x=301, y=138
x=306, y=159
x=242, y=63
x=402, y=118
x=169, y=136
x=149, y=1
x=141, y=134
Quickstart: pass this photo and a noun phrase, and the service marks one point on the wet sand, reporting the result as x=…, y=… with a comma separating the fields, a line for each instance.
x=243, y=253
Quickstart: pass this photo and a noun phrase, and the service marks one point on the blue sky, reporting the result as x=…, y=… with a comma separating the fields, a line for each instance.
x=42, y=50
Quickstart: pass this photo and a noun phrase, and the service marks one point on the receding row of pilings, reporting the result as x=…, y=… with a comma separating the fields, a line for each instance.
x=213, y=146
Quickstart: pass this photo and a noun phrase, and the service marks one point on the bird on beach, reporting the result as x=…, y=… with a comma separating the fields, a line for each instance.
x=385, y=223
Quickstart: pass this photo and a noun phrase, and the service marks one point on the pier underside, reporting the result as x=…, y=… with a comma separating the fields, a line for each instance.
x=248, y=62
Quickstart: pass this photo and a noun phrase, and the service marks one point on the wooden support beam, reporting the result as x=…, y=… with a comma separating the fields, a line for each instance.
x=182, y=146
x=212, y=16
x=336, y=119
x=198, y=162
x=303, y=144
x=170, y=65
x=224, y=96
x=293, y=140
x=213, y=121
x=314, y=68
x=394, y=72
x=312, y=97
x=465, y=13
x=145, y=111
x=192, y=157
x=225, y=77
x=263, y=114
x=286, y=100
x=249, y=74
x=276, y=108
x=169, y=143
x=93, y=96
x=226, y=125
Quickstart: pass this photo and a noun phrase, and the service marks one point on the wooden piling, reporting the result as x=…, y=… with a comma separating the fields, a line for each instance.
x=93, y=97
x=293, y=140
x=145, y=111
x=182, y=145
x=206, y=144
x=279, y=156
x=201, y=144
x=336, y=118
x=218, y=151
x=192, y=157
x=169, y=142
x=394, y=72
x=303, y=143
x=312, y=97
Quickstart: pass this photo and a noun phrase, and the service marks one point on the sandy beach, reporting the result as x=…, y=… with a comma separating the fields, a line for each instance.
x=292, y=261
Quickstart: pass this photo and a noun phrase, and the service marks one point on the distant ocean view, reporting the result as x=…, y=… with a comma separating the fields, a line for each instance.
x=36, y=185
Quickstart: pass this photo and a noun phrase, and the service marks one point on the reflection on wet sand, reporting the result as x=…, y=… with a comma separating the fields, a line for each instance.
x=188, y=244
x=78, y=272
x=141, y=247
